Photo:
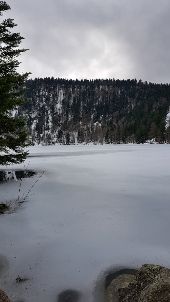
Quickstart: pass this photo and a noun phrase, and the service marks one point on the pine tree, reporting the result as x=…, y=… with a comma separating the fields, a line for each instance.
x=12, y=128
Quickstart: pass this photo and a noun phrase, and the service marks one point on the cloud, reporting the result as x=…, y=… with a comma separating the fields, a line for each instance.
x=95, y=38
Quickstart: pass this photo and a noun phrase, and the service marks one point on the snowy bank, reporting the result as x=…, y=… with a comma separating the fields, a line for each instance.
x=89, y=211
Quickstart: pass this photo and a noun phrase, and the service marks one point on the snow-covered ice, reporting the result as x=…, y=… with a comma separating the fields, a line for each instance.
x=95, y=207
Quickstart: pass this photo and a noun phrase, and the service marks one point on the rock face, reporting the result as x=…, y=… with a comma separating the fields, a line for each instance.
x=3, y=297
x=151, y=283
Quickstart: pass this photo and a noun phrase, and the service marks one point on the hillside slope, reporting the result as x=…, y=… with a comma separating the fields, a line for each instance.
x=110, y=111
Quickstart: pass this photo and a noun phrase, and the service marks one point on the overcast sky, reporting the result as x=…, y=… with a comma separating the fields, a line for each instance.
x=95, y=38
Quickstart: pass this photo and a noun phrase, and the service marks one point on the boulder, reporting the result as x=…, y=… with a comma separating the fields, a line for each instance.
x=4, y=297
x=120, y=282
x=3, y=208
x=68, y=295
x=150, y=283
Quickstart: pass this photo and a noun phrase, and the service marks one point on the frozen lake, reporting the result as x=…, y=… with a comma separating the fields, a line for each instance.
x=95, y=207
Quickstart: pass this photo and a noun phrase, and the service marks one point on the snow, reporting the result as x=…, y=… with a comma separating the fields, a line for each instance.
x=95, y=207
x=167, y=122
x=60, y=99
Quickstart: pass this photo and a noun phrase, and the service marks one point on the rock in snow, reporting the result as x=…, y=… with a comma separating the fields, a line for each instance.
x=3, y=297
x=69, y=296
x=151, y=283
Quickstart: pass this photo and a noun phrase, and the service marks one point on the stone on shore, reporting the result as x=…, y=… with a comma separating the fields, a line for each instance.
x=4, y=297
x=150, y=283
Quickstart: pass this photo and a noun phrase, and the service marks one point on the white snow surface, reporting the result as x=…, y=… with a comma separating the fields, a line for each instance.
x=167, y=122
x=95, y=207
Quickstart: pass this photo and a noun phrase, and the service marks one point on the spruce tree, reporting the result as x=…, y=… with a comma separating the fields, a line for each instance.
x=12, y=128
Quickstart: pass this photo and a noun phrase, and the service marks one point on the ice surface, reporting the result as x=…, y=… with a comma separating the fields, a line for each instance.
x=95, y=207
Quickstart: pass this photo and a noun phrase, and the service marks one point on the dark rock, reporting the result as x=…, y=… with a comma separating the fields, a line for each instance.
x=116, y=273
x=20, y=279
x=150, y=283
x=3, y=296
x=6, y=175
x=2, y=176
x=69, y=295
x=24, y=173
x=3, y=208
x=118, y=283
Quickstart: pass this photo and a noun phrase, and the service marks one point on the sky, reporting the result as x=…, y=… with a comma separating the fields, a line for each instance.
x=118, y=39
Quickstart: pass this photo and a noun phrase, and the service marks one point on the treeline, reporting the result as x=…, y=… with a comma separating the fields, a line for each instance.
x=110, y=111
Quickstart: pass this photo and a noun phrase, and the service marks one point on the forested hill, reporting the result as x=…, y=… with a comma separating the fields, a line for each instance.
x=110, y=111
